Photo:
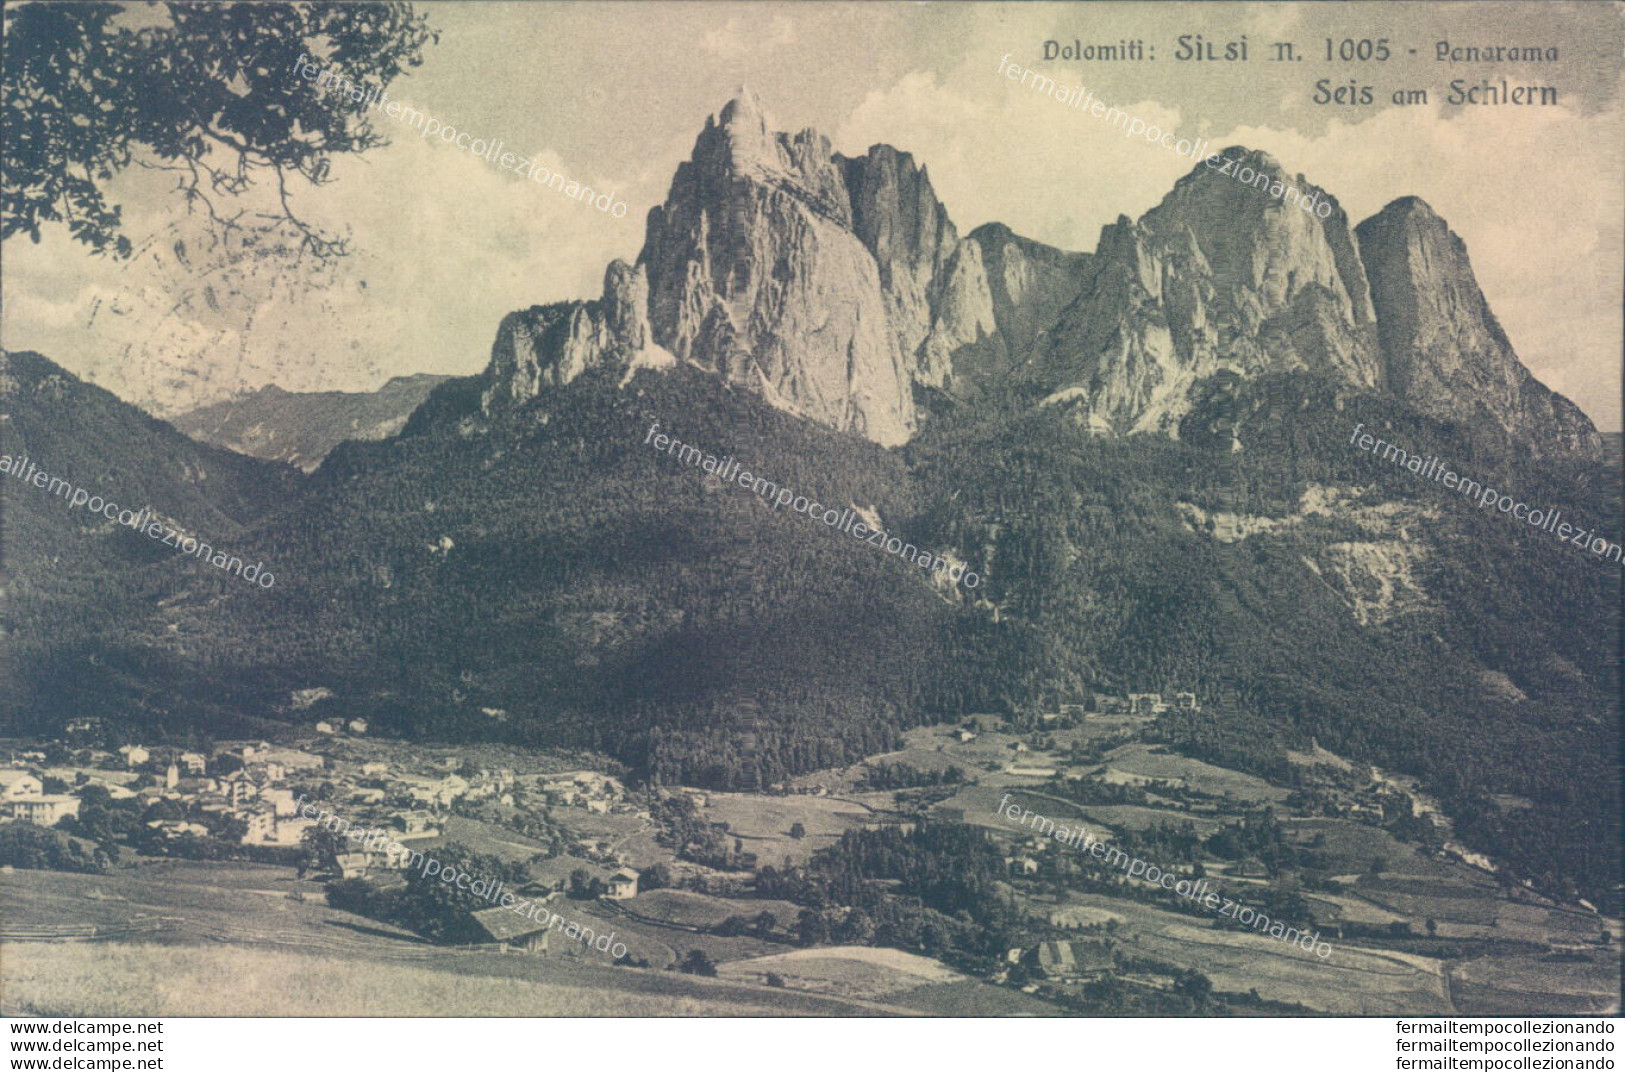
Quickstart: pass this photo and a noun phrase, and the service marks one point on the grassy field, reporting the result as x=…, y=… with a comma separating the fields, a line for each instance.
x=686, y=908
x=763, y=822
x=892, y=976
x=850, y=971
x=980, y=804
x=507, y=845
x=119, y=979
x=1350, y=981
x=1134, y=817
x=1580, y=985
x=1144, y=761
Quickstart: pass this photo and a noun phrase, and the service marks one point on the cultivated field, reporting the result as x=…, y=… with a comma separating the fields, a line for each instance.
x=1143, y=761
x=763, y=822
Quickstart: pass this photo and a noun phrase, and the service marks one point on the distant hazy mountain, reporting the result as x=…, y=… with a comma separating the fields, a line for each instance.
x=300, y=428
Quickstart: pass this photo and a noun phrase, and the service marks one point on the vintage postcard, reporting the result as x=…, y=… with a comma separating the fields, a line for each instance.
x=813, y=509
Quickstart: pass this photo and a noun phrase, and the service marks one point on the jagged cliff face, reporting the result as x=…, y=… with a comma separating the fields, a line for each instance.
x=1443, y=349
x=831, y=285
x=756, y=273
x=550, y=345
x=838, y=287
x=1220, y=275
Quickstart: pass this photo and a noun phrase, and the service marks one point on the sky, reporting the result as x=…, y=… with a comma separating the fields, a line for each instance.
x=614, y=95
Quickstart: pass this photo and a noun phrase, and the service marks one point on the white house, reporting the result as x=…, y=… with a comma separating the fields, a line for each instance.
x=623, y=885
x=19, y=785
x=134, y=755
x=260, y=826
x=281, y=800
x=43, y=810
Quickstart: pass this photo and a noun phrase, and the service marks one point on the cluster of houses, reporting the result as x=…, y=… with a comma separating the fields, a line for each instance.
x=259, y=785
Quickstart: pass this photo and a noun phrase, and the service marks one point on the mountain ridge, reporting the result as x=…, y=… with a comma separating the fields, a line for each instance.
x=872, y=295
x=302, y=427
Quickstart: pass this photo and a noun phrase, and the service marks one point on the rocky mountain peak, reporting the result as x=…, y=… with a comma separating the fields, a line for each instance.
x=835, y=287
x=742, y=132
x=1236, y=269
x=1442, y=348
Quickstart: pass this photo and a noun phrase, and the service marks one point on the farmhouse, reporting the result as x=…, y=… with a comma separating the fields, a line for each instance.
x=351, y=864
x=623, y=885
x=43, y=810
x=1071, y=962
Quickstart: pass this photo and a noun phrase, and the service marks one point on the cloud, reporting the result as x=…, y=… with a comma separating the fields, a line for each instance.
x=734, y=39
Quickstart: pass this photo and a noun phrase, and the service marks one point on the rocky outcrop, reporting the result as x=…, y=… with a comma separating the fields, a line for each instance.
x=897, y=217
x=757, y=274
x=1443, y=350
x=833, y=286
x=1220, y=275
x=550, y=345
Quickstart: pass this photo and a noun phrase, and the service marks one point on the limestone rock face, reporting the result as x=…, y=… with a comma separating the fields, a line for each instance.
x=833, y=286
x=1443, y=349
x=897, y=217
x=547, y=346
x=1220, y=275
x=839, y=289
x=757, y=274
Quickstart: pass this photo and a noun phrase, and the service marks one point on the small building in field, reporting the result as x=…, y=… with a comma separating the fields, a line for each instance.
x=1251, y=867
x=351, y=864
x=622, y=885
x=1071, y=962
x=511, y=930
x=416, y=822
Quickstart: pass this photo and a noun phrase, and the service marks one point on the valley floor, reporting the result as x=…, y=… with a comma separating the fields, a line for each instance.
x=1412, y=932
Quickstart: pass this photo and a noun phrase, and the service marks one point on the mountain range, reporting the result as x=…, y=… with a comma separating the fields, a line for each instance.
x=839, y=289
x=300, y=428
x=1142, y=450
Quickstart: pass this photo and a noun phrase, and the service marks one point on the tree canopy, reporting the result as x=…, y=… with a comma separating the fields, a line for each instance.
x=209, y=93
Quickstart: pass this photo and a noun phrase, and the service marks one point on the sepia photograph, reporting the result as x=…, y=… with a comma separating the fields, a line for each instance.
x=935, y=512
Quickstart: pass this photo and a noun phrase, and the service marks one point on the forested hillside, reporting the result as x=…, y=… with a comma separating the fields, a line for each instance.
x=543, y=576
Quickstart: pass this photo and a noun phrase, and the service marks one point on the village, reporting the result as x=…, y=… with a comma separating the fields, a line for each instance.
x=704, y=880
